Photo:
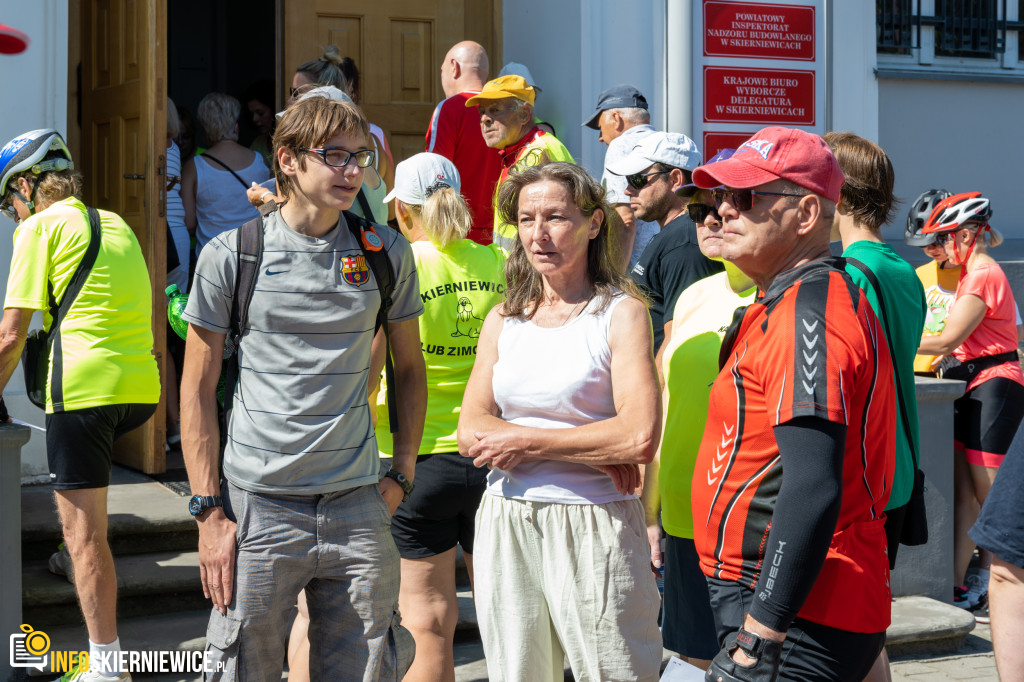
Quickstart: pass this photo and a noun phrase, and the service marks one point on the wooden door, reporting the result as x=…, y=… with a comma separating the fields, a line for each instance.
x=123, y=148
x=398, y=46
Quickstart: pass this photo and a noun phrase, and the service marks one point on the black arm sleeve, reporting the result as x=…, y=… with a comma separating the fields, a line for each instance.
x=804, y=518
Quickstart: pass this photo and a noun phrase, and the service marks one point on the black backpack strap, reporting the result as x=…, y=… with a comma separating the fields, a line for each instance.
x=384, y=274
x=249, y=243
x=877, y=286
x=53, y=344
x=364, y=206
x=223, y=165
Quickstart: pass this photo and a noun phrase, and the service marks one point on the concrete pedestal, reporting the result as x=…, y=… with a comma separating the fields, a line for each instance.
x=12, y=437
x=928, y=570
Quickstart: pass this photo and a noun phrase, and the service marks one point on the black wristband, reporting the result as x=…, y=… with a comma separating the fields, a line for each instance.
x=765, y=668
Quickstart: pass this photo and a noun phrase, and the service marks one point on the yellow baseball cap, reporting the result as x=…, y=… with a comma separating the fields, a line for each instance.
x=502, y=88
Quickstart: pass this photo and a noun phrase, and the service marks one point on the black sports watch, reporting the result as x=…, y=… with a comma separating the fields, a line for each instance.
x=198, y=503
x=755, y=645
x=399, y=478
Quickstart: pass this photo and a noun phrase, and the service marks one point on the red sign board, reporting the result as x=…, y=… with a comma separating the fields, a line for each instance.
x=781, y=96
x=716, y=142
x=758, y=30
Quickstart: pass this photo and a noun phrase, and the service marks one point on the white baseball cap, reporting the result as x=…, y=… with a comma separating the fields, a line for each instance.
x=517, y=69
x=325, y=91
x=421, y=175
x=671, y=149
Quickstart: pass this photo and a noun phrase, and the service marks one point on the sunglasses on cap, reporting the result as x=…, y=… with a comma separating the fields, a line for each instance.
x=699, y=212
x=639, y=180
x=301, y=90
x=743, y=199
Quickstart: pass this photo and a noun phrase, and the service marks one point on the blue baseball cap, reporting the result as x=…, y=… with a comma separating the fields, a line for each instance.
x=615, y=97
x=688, y=190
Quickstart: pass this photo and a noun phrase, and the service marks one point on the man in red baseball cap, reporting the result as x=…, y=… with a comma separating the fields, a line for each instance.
x=796, y=563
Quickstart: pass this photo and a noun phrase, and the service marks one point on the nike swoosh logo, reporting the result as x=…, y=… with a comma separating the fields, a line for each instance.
x=271, y=273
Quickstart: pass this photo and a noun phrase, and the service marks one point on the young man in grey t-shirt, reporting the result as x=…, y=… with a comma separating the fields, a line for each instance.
x=302, y=507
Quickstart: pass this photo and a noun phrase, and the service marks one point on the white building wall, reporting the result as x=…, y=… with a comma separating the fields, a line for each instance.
x=852, y=102
x=577, y=48
x=35, y=87
x=958, y=135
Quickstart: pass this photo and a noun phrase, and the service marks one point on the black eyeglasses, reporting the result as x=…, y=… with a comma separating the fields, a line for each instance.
x=639, y=180
x=339, y=158
x=700, y=212
x=743, y=199
x=943, y=237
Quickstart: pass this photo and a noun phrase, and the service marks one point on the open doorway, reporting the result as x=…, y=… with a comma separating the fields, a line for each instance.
x=224, y=47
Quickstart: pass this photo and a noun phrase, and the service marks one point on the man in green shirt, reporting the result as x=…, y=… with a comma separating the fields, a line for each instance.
x=866, y=204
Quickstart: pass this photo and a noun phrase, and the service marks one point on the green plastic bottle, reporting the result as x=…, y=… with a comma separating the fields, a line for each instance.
x=176, y=302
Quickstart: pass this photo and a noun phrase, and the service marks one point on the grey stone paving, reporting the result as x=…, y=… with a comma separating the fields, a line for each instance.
x=974, y=661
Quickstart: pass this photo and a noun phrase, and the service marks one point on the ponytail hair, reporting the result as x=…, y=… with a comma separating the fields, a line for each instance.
x=993, y=237
x=326, y=69
x=444, y=215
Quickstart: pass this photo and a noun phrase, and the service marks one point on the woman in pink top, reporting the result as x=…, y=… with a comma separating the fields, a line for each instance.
x=981, y=336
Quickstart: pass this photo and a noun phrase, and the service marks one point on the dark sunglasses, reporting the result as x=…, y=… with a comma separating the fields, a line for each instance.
x=7, y=206
x=943, y=237
x=699, y=212
x=339, y=158
x=743, y=199
x=639, y=180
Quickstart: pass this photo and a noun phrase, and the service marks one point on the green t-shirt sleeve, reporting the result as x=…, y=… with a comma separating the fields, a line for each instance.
x=26, y=284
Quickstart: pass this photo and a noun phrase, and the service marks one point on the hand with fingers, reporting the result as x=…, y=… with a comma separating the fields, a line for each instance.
x=626, y=477
x=217, y=557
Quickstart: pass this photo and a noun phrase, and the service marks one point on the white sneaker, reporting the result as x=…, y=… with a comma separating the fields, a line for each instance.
x=77, y=675
x=977, y=590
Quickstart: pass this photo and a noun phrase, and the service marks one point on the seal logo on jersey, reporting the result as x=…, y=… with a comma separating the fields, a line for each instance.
x=354, y=270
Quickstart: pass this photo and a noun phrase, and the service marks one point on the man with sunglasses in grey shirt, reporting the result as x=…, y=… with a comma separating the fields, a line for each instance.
x=658, y=185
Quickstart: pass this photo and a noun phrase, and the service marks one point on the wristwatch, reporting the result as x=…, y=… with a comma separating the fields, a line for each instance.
x=754, y=645
x=198, y=504
x=399, y=478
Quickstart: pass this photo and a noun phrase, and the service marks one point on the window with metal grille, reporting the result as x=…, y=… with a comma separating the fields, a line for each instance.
x=895, y=25
x=968, y=28
x=962, y=28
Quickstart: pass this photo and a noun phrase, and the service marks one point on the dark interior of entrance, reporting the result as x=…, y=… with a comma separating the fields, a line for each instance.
x=219, y=47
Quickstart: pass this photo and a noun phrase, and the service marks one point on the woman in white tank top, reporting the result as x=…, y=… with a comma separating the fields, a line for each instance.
x=563, y=406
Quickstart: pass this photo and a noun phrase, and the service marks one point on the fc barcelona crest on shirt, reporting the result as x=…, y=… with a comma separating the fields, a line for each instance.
x=354, y=270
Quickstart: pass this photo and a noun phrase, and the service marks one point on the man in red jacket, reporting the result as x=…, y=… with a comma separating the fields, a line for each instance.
x=454, y=133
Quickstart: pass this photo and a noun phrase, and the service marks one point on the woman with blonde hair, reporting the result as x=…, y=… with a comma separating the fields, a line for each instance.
x=214, y=183
x=460, y=282
x=562, y=407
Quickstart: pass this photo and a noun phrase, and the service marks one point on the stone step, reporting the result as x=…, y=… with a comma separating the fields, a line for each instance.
x=143, y=516
x=923, y=625
x=185, y=631
x=147, y=584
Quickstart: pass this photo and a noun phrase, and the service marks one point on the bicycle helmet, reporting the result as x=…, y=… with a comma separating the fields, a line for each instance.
x=956, y=211
x=28, y=152
x=918, y=216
